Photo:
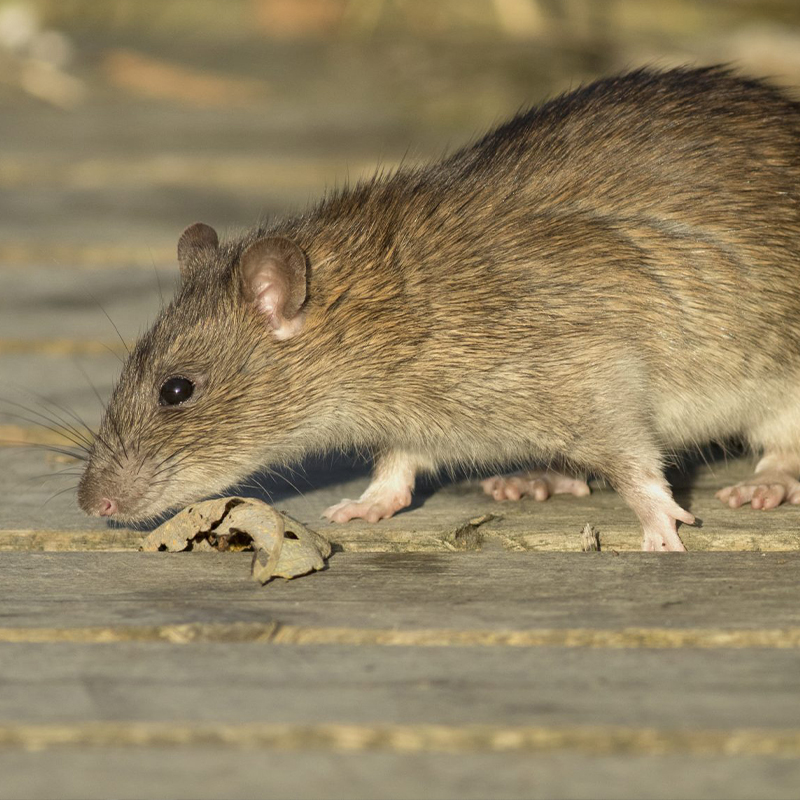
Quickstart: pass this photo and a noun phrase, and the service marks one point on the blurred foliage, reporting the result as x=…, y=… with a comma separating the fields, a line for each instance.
x=131, y=118
x=429, y=65
x=582, y=19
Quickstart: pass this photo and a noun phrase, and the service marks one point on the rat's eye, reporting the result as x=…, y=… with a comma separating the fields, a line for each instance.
x=175, y=391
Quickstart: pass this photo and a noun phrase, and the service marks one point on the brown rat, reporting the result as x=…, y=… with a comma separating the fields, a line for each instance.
x=602, y=281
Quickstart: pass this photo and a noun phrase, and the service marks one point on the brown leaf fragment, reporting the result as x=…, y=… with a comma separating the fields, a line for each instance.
x=194, y=521
x=303, y=550
x=284, y=547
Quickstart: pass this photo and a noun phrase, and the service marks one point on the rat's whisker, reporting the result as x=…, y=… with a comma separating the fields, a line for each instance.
x=55, y=419
x=47, y=401
x=172, y=466
x=50, y=475
x=113, y=324
x=71, y=488
x=281, y=476
x=60, y=432
x=85, y=374
x=257, y=486
x=115, y=428
x=173, y=459
x=53, y=449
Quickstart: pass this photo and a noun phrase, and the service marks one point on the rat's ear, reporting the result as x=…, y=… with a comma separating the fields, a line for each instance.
x=273, y=275
x=197, y=240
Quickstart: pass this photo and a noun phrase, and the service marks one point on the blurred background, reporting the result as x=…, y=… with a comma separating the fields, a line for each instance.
x=123, y=121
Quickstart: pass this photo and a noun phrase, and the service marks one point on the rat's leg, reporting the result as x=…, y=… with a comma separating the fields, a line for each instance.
x=538, y=484
x=775, y=481
x=658, y=513
x=388, y=492
x=639, y=480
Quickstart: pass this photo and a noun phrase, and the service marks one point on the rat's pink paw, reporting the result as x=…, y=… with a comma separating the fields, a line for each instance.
x=371, y=509
x=539, y=485
x=764, y=490
x=661, y=531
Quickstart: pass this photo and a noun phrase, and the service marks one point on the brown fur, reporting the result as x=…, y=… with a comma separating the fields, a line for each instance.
x=603, y=279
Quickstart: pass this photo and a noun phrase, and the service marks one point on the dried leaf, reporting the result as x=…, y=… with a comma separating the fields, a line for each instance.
x=303, y=550
x=284, y=547
x=192, y=522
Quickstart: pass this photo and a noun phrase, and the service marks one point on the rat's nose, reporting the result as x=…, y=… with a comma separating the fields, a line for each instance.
x=107, y=507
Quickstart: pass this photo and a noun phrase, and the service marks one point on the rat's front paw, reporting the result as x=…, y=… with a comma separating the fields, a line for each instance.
x=764, y=490
x=371, y=509
x=539, y=484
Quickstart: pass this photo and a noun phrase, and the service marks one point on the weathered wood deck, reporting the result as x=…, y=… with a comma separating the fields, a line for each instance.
x=462, y=649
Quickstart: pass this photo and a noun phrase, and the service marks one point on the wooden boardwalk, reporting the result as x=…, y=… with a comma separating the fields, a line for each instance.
x=464, y=649
x=449, y=674
x=435, y=657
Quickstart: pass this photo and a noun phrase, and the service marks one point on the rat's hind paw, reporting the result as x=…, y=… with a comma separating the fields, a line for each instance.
x=370, y=509
x=659, y=523
x=539, y=484
x=662, y=536
x=764, y=490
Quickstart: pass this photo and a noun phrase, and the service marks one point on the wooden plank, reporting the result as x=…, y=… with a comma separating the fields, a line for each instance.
x=527, y=528
x=487, y=591
x=196, y=687
x=288, y=175
x=24, y=253
x=211, y=772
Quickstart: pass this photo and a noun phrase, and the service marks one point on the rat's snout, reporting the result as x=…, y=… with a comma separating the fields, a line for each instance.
x=107, y=508
x=114, y=487
x=102, y=507
x=94, y=498
x=94, y=504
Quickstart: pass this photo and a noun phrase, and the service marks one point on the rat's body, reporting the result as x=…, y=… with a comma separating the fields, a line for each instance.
x=600, y=282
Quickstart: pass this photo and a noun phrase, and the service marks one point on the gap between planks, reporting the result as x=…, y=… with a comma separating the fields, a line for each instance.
x=433, y=538
x=26, y=254
x=606, y=740
x=282, y=634
x=62, y=347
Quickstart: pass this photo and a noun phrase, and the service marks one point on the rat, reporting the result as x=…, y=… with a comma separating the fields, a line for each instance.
x=602, y=282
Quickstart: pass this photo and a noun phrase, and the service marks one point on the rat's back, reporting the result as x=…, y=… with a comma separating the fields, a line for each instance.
x=647, y=143
x=660, y=213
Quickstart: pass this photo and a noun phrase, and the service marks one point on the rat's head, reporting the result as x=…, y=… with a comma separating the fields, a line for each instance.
x=205, y=395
